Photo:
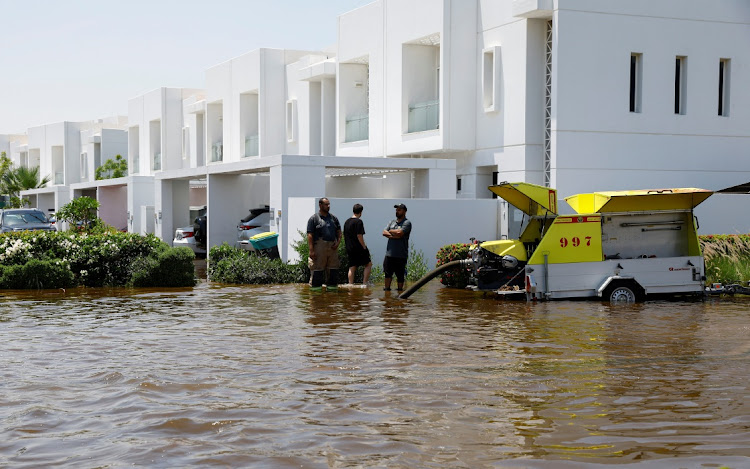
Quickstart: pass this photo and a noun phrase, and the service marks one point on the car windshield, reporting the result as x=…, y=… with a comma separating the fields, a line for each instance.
x=25, y=217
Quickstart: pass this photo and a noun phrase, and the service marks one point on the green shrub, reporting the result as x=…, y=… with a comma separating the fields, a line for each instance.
x=231, y=265
x=416, y=267
x=36, y=274
x=79, y=213
x=456, y=278
x=95, y=259
x=172, y=267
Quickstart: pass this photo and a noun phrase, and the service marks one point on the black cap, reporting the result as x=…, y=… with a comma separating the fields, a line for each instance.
x=400, y=206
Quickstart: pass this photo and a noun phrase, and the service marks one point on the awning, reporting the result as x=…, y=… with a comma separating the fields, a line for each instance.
x=638, y=200
x=738, y=189
x=531, y=199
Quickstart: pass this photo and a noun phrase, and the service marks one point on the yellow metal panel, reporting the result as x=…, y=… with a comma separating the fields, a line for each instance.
x=638, y=200
x=506, y=247
x=571, y=238
x=529, y=198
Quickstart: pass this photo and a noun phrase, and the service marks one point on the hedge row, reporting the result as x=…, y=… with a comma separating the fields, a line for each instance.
x=60, y=259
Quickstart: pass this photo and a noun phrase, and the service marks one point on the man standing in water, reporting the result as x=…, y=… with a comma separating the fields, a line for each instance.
x=397, y=251
x=356, y=249
x=323, y=238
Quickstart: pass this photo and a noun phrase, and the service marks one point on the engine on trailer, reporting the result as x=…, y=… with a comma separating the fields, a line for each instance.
x=491, y=271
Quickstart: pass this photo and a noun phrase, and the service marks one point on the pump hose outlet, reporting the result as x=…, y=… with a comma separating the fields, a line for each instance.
x=434, y=273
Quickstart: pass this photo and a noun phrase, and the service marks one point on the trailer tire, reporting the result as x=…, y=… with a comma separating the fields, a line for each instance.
x=623, y=293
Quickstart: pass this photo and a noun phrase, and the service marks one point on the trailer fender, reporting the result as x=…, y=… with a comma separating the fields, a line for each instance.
x=619, y=289
x=614, y=278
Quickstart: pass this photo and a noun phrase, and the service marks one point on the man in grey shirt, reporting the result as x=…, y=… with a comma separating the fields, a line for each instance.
x=397, y=251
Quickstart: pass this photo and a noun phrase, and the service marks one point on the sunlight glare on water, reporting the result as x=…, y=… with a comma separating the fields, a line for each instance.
x=281, y=377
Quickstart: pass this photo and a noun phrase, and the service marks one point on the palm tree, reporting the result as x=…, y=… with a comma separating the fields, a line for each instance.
x=20, y=179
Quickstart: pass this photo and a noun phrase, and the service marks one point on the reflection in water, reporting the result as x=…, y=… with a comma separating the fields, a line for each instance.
x=279, y=376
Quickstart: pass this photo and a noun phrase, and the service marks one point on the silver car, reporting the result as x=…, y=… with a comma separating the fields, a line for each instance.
x=23, y=219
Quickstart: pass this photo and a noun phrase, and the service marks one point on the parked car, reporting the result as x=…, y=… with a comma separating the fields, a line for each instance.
x=256, y=222
x=193, y=236
x=22, y=219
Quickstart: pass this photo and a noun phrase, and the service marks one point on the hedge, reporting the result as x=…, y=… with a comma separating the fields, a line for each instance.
x=94, y=260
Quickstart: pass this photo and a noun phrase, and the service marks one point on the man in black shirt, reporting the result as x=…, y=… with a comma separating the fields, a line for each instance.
x=356, y=249
x=323, y=238
x=397, y=250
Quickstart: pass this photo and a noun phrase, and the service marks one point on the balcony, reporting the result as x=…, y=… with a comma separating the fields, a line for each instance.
x=357, y=129
x=217, y=152
x=424, y=116
x=59, y=178
x=252, y=146
x=157, y=162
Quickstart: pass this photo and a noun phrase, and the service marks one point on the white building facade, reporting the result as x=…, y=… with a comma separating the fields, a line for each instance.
x=435, y=100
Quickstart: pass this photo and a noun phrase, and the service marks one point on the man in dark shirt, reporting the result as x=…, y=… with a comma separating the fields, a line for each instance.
x=323, y=238
x=356, y=249
x=397, y=251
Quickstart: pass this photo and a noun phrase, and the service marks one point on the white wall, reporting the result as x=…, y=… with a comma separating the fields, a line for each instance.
x=113, y=204
x=430, y=227
x=600, y=145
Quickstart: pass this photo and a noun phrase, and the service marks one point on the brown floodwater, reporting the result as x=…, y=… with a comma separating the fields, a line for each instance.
x=281, y=377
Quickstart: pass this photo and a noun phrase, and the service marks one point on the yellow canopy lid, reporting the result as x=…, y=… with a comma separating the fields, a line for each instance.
x=638, y=200
x=529, y=198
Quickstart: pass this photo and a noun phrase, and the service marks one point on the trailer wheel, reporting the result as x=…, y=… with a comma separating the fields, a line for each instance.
x=622, y=294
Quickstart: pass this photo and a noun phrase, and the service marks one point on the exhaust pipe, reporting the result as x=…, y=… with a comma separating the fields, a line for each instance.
x=437, y=271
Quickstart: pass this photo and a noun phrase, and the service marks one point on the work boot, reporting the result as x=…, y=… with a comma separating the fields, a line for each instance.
x=318, y=276
x=333, y=279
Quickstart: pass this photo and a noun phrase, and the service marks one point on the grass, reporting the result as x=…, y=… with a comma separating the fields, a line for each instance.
x=727, y=258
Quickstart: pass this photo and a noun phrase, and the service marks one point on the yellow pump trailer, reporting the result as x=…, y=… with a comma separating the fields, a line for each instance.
x=621, y=246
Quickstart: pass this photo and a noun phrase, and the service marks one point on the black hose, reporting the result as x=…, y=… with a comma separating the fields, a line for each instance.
x=437, y=271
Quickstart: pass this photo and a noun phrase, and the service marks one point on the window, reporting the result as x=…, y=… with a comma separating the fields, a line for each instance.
x=491, y=79
x=291, y=120
x=680, y=84
x=495, y=175
x=724, y=87
x=458, y=184
x=636, y=74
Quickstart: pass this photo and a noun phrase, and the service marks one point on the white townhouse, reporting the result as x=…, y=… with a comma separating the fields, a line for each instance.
x=68, y=152
x=580, y=95
x=264, y=134
x=150, y=141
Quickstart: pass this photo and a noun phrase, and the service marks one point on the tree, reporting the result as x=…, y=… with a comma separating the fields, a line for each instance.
x=5, y=164
x=17, y=179
x=80, y=213
x=116, y=168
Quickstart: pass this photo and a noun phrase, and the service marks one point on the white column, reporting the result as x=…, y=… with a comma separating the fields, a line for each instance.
x=292, y=181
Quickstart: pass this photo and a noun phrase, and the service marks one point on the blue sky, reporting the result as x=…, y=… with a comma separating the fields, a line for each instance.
x=83, y=59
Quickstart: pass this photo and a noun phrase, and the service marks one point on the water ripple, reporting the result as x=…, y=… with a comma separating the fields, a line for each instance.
x=281, y=377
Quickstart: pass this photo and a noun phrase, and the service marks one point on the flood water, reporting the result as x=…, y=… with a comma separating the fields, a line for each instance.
x=282, y=377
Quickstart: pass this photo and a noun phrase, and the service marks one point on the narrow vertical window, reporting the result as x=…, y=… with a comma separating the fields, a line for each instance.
x=291, y=120
x=636, y=74
x=495, y=175
x=491, y=79
x=185, y=142
x=724, y=87
x=680, y=84
x=458, y=184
